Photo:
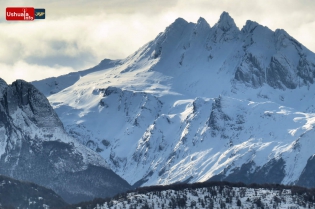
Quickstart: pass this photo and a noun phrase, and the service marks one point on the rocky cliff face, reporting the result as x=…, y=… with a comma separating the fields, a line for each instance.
x=36, y=148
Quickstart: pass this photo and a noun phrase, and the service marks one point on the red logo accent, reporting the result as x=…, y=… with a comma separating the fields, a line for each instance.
x=20, y=13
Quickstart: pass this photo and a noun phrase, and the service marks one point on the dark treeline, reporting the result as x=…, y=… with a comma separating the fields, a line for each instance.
x=308, y=194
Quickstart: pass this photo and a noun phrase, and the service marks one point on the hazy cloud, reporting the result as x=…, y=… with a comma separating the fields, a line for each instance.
x=78, y=34
x=25, y=71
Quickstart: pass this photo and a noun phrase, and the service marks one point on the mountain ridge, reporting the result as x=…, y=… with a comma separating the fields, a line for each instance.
x=181, y=27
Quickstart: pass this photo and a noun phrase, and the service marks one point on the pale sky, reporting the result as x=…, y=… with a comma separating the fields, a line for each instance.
x=78, y=34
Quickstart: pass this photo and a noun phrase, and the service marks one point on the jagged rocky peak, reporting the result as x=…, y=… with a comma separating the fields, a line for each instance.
x=173, y=33
x=226, y=22
x=281, y=32
x=202, y=23
x=281, y=36
x=225, y=29
x=24, y=95
x=201, y=26
x=250, y=26
x=177, y=24
x=283, y=39
x=3, y=84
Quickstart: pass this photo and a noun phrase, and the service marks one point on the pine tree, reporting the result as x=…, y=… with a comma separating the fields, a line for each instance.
x=238, y=203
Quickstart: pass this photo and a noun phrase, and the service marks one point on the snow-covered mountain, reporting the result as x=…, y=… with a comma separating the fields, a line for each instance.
x=35, y=147
x=198, y=103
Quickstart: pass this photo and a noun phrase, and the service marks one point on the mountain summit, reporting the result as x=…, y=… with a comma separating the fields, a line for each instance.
x=226, y=22
x=198, y=103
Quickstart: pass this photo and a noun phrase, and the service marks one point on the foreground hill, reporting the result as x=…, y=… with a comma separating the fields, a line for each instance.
x=26, y=195
x=198, y=103
x=35, y=147
x=209, y=195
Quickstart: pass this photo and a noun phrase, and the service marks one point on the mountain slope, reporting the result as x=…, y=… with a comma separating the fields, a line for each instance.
x=36, y=148
x=199, y=103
